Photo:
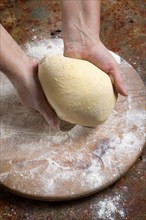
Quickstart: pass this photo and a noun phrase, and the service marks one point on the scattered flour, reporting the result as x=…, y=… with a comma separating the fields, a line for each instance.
x=59, y=157
x=44, y=47
x=109, y=208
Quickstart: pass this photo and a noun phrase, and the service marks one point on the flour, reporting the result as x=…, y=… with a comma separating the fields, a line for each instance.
x=136, y=118
x=81, y=159
x=44, y=48
x=129, y=101
x=109, y=208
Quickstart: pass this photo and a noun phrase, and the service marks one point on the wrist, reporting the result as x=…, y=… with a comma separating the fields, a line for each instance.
x=80, y=24
x=22, y=73
x=80, y=50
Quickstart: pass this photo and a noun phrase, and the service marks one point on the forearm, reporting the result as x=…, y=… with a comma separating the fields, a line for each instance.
x=13, y=60
x=81, y=21
x=22, y=72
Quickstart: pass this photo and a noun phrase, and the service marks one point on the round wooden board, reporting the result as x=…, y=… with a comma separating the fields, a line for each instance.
x=45, y=164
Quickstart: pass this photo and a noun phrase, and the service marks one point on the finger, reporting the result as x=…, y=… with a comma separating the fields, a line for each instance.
x=49, y=114
x=50, y=118
x=117, y=81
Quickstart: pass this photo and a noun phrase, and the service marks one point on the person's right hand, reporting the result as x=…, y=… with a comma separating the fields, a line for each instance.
x=100, y=56
x=81, y=36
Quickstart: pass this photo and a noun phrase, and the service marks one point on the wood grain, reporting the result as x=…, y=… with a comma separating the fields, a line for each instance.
x=41, y=163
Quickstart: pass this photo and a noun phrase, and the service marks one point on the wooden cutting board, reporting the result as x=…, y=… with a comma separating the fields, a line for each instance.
x=45, y=164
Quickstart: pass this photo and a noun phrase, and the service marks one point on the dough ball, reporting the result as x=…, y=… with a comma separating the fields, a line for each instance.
x=78, y=91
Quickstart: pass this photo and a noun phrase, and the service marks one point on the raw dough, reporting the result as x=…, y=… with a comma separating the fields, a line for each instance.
x=78, y=91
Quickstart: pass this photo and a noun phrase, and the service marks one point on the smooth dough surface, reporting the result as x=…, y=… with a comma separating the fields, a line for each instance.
x=78, y=91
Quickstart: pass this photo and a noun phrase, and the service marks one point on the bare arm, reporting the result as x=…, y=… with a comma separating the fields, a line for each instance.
x=22, y=72
x=13, y=59
x=81, y=22
x=81, y=29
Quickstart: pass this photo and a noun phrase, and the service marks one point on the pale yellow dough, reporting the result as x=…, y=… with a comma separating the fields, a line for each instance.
x=78, y=91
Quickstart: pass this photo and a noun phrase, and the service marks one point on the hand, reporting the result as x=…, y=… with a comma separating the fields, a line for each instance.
x=22, y=72
x=100, y=56
x=31, y=93
x=81, y=28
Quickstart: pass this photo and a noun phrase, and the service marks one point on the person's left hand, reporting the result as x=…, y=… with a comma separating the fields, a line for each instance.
x=31, y=93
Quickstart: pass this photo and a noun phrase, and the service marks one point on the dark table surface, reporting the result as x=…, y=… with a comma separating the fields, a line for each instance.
x=122, y=31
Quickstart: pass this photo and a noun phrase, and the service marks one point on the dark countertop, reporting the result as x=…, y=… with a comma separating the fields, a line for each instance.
x=122, y=31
